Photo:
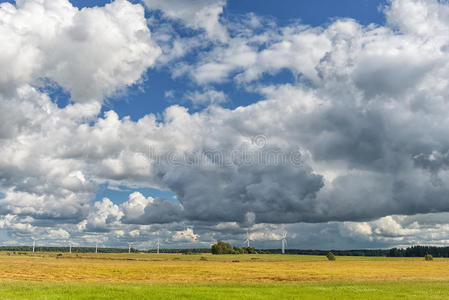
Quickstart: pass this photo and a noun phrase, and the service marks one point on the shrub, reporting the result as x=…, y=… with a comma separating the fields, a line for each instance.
x=203, y=258
x=428, y=257
x=330, y=256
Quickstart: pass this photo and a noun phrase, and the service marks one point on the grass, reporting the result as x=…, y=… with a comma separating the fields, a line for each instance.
x=174, y=276
x=326, y=290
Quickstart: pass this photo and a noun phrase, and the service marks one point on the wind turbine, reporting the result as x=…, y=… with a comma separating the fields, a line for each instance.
x=158, y=245
x=129, y=247
x=247, y=239
x=284, y=241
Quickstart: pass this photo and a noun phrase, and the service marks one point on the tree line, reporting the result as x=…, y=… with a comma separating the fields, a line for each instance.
x=359, y=252
x=419, y=251
x=64, y=249
x=99, y=249
x=225, y=248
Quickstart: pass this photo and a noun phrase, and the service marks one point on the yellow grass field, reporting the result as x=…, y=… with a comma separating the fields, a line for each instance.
x=172, y=268
x=172, y=276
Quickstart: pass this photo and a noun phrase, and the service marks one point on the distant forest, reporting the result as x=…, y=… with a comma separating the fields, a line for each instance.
x=415, y=251
x=100, y=250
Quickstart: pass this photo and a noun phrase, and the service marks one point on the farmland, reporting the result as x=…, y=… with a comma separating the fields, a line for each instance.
x=83, y=276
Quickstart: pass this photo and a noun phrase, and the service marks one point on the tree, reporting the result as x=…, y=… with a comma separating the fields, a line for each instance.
x=428, y=257
x=222, y=248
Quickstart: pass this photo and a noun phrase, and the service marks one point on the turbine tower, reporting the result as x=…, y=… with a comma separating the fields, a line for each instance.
x=96, y=247
x=70, y=246
x=247, y=239
x=284, y=242
x=34, y=244
x=158, y=245
x=129, y=247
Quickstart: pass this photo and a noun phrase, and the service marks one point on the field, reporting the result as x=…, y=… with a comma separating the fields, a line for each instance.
x=172, y=276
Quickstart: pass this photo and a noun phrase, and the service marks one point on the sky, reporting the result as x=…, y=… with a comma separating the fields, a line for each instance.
x=196, y=121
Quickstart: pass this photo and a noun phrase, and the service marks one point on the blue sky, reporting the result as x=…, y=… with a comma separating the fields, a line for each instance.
x=314, y=13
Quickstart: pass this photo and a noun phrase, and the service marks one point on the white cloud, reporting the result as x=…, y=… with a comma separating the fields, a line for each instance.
x=356, y=229
x=206, y=97
x=298, y=49
x=134, y=208
x=103, y=216
x=197, y=14
x=90, y=52
x=57, y=234
x=420, y=17
x=186, y=235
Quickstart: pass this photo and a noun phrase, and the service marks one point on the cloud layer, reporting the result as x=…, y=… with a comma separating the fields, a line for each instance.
x=356, y=138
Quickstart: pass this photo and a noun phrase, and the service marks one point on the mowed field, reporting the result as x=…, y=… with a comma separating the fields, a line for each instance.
x=172, y=276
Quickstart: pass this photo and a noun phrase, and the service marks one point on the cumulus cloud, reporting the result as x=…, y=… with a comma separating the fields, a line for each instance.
x=34, y=179
x=90, y=52
x=103, y=216
x=141, y=210
x=134, y=208
x=419, y=17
